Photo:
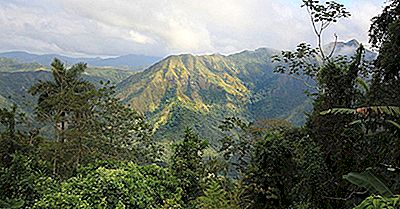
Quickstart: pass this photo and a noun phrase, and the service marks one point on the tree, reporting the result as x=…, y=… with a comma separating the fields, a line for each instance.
x=385, y=36
x=187, y=164
x=270, y=174
x=18, y=181
x=8, y=139
x=237, y=145
x=113, y=185
x=240, y=138
x=214, y=197
x=66, y=99
x=336, y=78
x=117, y=131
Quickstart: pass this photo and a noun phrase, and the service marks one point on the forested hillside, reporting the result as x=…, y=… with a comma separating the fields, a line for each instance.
x=200, y=91
x=190, y=91
x=17, y=77
x=227, y=144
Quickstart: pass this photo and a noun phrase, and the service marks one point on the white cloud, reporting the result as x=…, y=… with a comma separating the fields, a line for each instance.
x=161, y=27
x=140, y=38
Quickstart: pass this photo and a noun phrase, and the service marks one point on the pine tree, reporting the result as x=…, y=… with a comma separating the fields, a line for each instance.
x=187, y=164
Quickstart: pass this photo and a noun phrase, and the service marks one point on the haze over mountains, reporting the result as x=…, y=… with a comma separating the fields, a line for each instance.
x=130, y=61
x=182, y=90
x=348, y=49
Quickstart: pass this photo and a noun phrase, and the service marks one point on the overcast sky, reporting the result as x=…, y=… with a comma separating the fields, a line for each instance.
x=162, y=27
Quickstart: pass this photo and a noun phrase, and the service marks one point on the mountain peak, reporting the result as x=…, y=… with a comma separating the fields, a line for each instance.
x=348, y=48
x=353, y=42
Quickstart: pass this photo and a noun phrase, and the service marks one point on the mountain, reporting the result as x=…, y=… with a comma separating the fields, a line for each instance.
x=200, y=91
x=17, y=77
x=185, y=90
x=127, y=61
x=131, y=61
x=94, y=73
x=12, y=65
x=348, y=49
x=14, y=87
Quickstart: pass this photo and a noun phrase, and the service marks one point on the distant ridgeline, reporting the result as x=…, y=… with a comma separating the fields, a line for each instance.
x=17, y=77
x=130, y=61
x=183, y=90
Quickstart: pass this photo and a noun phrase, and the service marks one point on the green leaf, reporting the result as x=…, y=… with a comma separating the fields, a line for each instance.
x=393, y=123
x=369, y=181
x=338, y=111
x=362, y=83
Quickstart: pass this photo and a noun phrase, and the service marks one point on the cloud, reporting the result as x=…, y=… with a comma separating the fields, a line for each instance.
x=161, y=27
x=140, y=38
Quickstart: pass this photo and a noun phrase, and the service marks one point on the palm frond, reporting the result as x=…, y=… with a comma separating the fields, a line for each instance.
x=386, y=110
x=394, y=123
x=336, y=111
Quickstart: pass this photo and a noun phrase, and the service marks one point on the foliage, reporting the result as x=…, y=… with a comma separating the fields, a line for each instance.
x=12, y=140
x=286, y=170
x=377, y=202
x=8, y=119
x=19, y=179
x=120, y=185
x=369, y=181
x=322, y=16
x=236, y=144
x=90, y=123
x=384, y=35
x=304, y=61
x=7, y=138
x=372, y=117
x=119, y=131
x=379, y=30
x=270, y=173
x=342, y=148
x=66, y=99
x=187, y=165
x=214, y=197
x=268, y=163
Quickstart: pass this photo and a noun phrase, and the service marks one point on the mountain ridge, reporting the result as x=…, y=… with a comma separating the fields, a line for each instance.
x=198, y=91
x=180, y=90
x=207, y=86
x=129, y=61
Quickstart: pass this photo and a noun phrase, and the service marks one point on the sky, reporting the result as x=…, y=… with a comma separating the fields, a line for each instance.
x=163, y=27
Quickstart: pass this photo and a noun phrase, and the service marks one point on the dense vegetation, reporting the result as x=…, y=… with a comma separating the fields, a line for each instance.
x=17, y=77
x=100, y=153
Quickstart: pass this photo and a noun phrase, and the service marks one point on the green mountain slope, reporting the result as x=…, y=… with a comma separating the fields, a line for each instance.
x=94, y=73
x=16, y=78
x=272, y=95
x=11, y=65
x=200, y=91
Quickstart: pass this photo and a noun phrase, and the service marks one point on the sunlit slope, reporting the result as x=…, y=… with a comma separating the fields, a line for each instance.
x=200, y=91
